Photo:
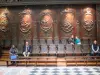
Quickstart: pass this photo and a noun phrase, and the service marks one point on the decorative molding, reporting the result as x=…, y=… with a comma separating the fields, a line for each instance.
x=67, y=26
x=68, y=10
x=88, y=26
x=44, y=2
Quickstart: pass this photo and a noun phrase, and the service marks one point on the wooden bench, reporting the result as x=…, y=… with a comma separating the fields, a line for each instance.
x=30, y=59
x=16, y=62
x=76, y=59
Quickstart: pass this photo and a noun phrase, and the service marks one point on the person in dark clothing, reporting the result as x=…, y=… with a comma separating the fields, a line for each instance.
x=13, y=53
x=71, y=40
x=94, y=49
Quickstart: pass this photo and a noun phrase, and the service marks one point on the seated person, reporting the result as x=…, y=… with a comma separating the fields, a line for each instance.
x=71, y=40
x=26, y=50
x=94, y=48
x=13, y=53
x=77, y=41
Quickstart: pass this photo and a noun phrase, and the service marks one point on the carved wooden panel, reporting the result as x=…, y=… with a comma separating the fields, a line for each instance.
x=4, y=24
x=88, y=25
x=26, y=24
x=67, y=22
x=46, y=23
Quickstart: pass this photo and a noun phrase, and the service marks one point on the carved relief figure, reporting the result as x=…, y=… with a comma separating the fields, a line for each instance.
x=67, y=21
x=46, y=22
x=3, y=20
x=88, y=19
x=26, y=21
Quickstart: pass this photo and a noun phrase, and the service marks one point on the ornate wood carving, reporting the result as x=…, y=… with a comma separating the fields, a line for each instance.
x=88, y=20
x=46, y=22
x=4, y=24
x=26, y=23
x=68, y=17
x=3, y=20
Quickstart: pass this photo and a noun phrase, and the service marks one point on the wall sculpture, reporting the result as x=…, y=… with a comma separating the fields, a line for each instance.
x=4, y=24
x=67, y=21
x=46, y=23
x=3, y=20
x=26, y=23
x=88, y=20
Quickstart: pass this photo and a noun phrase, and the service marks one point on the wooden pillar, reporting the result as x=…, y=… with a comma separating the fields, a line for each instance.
x=98, y=22
x=35, y=32
x=56, y=31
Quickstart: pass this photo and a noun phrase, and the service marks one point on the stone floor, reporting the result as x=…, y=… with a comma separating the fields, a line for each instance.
x=70, y=70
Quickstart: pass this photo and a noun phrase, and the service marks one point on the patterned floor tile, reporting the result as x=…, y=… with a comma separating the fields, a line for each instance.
x=82, y=70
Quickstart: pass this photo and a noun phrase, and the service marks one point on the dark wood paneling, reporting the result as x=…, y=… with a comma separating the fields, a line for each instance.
x=98, y=22
x=18, y=38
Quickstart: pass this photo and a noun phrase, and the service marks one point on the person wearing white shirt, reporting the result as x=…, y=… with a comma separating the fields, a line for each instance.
x=26, y=50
